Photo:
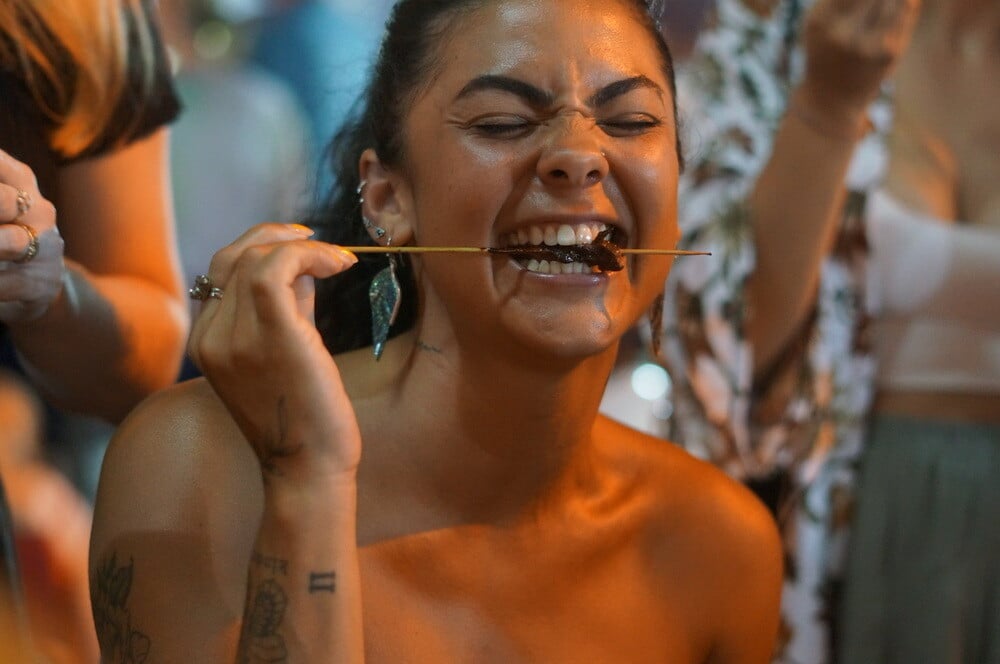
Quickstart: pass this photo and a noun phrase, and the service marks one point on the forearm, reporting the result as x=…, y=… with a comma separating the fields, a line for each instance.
x=105, y=343
x=303, y=600
x=795, y=208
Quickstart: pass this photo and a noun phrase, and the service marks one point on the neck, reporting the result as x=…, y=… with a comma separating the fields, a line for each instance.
x=471, y=437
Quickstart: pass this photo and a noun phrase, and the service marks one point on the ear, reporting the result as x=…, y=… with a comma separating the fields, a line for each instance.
x=386, y=201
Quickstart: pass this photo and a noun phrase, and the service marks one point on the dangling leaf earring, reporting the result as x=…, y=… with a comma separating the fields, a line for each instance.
x=384, y=294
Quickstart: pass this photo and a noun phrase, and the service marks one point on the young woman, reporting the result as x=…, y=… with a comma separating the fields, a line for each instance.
x=459, y=499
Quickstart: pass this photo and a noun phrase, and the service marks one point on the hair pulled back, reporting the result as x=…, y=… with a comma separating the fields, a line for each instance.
x=406, y=61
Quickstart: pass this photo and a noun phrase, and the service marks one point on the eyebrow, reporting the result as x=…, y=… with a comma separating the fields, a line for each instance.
x=624, y=86
x=535, y=97
x=538, y=98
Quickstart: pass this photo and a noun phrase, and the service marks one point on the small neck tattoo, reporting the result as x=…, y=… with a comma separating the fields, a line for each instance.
x=427, y=347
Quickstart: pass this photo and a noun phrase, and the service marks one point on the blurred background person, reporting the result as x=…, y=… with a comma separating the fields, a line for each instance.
x=51, y=531
x=91, y=304
x=802, y=162
x=99, y=300
x=323, y=49
x=240, y=151
x=264, y=85
x=922, y=582
x=15, y=640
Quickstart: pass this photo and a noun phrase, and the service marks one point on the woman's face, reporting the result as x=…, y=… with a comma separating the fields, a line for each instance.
x=546, y=121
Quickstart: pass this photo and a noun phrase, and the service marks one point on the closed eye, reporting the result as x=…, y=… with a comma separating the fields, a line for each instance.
x=630, y=125
x=503, y=126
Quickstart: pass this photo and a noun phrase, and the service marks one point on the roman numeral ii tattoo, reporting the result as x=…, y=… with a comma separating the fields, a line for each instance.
x=322, y=582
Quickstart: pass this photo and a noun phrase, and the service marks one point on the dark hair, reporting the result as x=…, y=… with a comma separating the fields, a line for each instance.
x=405, y=63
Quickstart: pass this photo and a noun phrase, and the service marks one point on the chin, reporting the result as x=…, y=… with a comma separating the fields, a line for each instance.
x=567, y=340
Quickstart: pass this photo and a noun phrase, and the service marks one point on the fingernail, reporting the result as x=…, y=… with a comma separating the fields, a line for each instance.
x=351, y=256
x=303, y=230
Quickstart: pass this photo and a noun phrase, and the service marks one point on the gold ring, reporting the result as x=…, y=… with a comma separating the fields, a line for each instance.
x=23, y=204
x=32, y=249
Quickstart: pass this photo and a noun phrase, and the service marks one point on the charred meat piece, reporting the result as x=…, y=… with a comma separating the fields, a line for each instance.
x=601, y=253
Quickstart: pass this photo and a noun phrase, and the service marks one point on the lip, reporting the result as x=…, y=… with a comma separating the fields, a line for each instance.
x=582, y=280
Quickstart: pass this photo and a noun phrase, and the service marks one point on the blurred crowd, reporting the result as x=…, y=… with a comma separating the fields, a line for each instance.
x=846, y=188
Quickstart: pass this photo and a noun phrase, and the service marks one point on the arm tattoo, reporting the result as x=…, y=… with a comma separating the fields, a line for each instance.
x=271, y=564
x=260, y=640
x=278, y=448
x=110, y=587
x=322, y=582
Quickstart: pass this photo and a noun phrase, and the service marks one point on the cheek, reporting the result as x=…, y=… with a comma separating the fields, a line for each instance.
x=460, y=190
x=652, y=184
x=652, y=195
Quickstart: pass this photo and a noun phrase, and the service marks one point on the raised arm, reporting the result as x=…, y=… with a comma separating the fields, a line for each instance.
x=259, y=347
x=113, y=313
x=850, y=47
x=260, y=514
x=763, y=191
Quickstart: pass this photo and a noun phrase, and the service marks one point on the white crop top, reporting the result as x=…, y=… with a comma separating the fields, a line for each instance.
x=935, y=292
x=927, y=355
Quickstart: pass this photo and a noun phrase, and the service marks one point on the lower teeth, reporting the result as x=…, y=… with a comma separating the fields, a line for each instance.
x=555, y=267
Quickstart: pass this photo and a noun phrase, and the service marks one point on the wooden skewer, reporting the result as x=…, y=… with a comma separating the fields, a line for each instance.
x=404, y=249
x=665, y=252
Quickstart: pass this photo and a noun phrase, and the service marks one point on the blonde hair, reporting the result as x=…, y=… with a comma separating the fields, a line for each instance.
x=77, y=57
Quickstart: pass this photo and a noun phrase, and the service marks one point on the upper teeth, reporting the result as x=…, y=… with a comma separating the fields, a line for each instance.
x=553, y=235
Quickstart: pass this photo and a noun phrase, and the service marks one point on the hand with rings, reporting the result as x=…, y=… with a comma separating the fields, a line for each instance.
x=31, y=249
x=256, y=342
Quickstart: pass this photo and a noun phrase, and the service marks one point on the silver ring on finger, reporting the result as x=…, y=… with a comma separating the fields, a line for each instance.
x=204, y=289
x=31, y=250
x=23, y=202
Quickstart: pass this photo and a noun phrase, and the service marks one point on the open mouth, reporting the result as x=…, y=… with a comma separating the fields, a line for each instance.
x=566, y=249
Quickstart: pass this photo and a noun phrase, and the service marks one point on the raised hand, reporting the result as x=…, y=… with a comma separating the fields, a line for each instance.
x=851, y=47
x=31, y=249
x=256, y=342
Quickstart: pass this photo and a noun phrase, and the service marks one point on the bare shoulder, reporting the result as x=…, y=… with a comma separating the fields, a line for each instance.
x=709, y=541
x=177, y=509
x=170, y=450
x=687, y=487
x=178, y=463
x=683, y=488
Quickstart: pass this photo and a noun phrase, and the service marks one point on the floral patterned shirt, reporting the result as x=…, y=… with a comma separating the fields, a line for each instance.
x=733, y=93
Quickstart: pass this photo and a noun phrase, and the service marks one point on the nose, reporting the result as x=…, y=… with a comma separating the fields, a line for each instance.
x=572, y=158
